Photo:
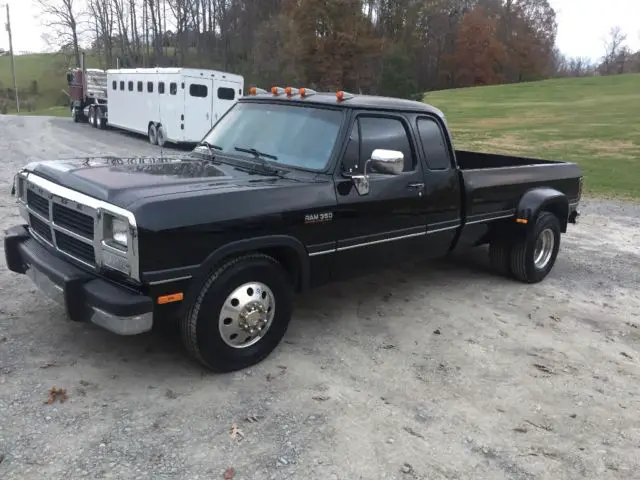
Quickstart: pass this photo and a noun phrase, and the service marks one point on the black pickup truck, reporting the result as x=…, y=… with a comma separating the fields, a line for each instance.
x=289, y=189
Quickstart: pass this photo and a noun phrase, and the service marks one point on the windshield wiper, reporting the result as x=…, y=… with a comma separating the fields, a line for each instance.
x=210, y=146
x=256, y=153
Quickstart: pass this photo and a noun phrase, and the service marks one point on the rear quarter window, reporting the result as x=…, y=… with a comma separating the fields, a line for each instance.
x=433, y=144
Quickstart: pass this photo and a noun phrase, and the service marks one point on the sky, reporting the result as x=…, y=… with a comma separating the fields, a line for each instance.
x=582, y=25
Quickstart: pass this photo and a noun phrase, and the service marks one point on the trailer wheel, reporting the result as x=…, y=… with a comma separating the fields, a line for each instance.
x=153, y=134
x=240, y=315
x=534, y=254
x=160, y=135
x=75, y=115
x=102, y=122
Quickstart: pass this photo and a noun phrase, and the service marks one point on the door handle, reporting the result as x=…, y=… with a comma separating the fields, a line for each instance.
x=416, y=186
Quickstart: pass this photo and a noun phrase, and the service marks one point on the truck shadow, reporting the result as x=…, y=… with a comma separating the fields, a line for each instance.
x=323, y=315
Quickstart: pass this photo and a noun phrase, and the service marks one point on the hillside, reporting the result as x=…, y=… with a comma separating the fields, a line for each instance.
x=46, y=69
x=592, y=121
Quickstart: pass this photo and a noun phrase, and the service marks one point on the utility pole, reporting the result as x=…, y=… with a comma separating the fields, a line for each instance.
x=13, y=61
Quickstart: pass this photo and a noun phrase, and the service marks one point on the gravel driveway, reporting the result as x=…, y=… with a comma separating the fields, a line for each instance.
x=433, y=370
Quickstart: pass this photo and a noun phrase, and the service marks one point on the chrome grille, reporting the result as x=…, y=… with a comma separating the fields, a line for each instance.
x=66, y=225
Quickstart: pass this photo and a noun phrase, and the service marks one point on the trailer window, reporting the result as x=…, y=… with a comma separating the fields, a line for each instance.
x=130, y=86
x=226, y=93
x=161, y=88
x=433, y=144
x=173, y=88
x=122, y=85
x=139, y=86
x=149, y=87
x=197, y=90
x=114, y=85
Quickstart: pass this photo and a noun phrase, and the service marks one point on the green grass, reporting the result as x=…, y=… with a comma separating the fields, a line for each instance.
x=593, y=121
x=46, y=69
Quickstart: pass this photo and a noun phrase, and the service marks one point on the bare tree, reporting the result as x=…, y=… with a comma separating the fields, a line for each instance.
x=613, y=45
x=65, y=21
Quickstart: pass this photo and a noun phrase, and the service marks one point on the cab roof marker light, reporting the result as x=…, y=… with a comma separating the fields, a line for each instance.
x=291, y=91
x=342, y=95
x=307, y=92
x=256, y=91
x=277, y=90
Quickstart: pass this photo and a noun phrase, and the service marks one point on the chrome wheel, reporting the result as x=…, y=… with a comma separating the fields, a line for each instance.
x=246, y=315
x=544, y=248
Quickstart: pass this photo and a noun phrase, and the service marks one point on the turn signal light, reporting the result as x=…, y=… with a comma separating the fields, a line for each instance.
x=174, y=297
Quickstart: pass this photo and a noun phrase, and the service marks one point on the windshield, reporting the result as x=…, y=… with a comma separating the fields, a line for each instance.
x=291, y=135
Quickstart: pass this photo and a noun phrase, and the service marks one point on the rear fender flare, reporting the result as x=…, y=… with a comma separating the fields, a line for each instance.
x=545, y=198
x=274, y=245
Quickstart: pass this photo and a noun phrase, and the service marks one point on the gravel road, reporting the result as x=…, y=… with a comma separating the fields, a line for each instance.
x=433, y=370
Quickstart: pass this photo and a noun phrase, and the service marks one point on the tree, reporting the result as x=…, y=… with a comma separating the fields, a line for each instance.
x=65, y=21
x=613, y=47
x=478, y=57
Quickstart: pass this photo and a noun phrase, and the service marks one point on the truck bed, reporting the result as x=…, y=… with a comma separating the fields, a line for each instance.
x=494, y=183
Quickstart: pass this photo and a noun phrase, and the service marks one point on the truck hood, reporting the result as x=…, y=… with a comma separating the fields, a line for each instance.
x=125, y=181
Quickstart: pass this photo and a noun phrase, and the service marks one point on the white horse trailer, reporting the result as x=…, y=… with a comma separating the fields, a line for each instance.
x=177, y=105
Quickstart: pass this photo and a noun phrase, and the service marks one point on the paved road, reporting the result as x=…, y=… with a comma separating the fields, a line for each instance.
x=434, y=370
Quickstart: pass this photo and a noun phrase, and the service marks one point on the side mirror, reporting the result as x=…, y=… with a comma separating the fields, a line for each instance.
x=390, y=162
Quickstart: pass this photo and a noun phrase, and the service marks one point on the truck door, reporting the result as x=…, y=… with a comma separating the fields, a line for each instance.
x=226, y=94
x=198, y=93
x=388, y=224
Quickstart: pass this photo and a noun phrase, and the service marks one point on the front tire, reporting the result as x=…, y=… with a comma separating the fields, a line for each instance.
x=240, y=315
x=534, y=255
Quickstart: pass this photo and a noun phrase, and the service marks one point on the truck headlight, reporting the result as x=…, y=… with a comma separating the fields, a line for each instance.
x=116, y=232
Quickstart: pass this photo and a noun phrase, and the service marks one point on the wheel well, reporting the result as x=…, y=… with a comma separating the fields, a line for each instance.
x=560, y=210
x=289, y=260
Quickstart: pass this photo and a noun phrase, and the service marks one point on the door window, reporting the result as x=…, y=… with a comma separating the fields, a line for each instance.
x=386, y=133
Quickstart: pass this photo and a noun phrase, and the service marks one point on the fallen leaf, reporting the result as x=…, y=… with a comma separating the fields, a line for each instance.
x=321, y=398
x=626, y=355
x=236, y=433
x=520, y=429
x=48, y=365
x=59, y=394
x=555, y=318
x=229, y=473
x=436, y=332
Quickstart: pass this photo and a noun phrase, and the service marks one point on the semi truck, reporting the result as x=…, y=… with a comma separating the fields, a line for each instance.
x=177, y=105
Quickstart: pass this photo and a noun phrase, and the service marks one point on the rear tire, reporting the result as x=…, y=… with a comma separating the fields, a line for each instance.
x=500, y=256
x=75, y=115
x=160, y=135
x=153, y=134
x=535, y=253
x=240, y=315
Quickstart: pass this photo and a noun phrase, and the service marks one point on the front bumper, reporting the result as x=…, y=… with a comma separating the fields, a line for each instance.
x=85, y=297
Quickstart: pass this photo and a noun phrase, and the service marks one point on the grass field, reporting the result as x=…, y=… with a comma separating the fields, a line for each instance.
x=592, y=121
x=46, y=69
